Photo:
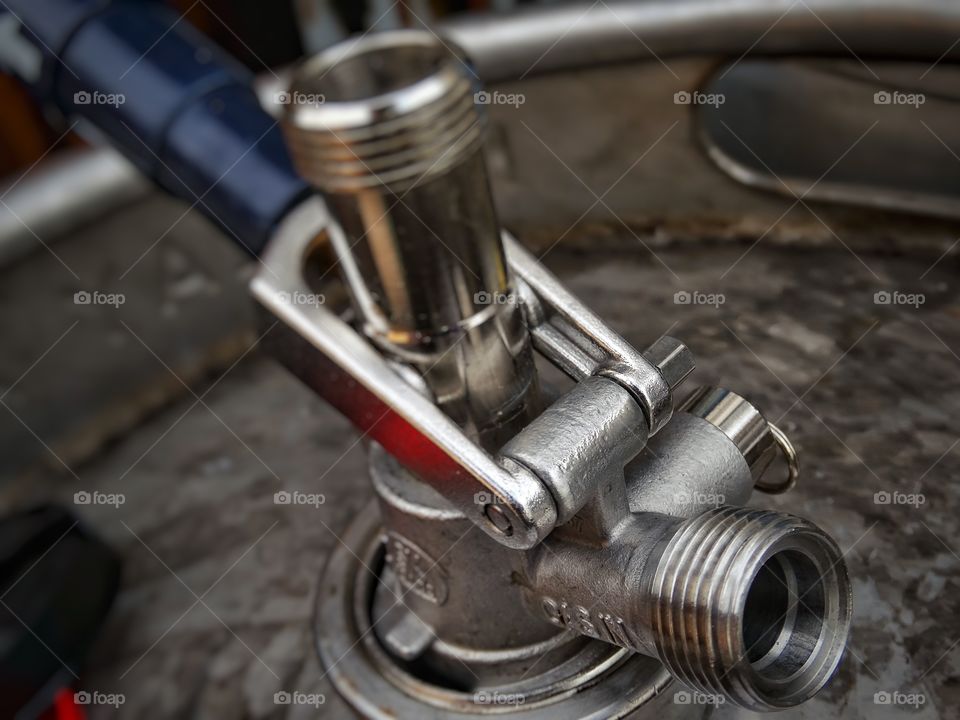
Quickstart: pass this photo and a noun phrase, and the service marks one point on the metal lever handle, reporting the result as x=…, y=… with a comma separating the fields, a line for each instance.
x=342, y=366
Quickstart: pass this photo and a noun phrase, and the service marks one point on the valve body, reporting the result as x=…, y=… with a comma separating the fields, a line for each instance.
x=641, y=566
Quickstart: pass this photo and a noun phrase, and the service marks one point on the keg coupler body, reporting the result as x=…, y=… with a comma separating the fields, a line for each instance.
x=531, y=553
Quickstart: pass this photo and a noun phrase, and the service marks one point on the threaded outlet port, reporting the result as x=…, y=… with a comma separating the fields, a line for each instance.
x=387, y=110
x=751, y=604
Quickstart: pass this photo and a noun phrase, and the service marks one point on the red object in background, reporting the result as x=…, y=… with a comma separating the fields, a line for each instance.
x=24, y=134
x=64, y=708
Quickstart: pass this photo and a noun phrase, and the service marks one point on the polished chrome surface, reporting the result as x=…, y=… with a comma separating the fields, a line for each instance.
x=342, y=366
x=392, y=109
x=738, y=420
x=388, y=129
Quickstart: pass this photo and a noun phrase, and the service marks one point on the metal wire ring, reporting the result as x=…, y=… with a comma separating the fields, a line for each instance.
x=793, y=464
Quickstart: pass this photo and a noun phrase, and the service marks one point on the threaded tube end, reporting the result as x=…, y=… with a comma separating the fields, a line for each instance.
x=753, y=605
x=387, y=110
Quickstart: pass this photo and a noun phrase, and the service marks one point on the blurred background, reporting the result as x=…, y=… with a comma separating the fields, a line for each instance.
x=258, y=37
x=792, y=216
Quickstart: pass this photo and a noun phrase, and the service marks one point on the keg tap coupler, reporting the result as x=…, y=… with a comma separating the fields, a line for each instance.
x=530, y=554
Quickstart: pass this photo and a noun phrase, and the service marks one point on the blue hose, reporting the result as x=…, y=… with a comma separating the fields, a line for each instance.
x=169, y=99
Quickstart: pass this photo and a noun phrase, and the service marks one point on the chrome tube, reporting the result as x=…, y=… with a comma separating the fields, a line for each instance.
x=388, y=130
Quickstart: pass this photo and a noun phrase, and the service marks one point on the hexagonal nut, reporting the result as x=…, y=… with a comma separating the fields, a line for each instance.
x=672, y=359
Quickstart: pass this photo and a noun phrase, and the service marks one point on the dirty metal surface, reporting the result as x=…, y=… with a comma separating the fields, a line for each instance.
x=74, y=373
x=213, y=618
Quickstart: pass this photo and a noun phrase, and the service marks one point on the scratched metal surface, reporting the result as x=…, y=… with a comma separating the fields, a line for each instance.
x=214, y=614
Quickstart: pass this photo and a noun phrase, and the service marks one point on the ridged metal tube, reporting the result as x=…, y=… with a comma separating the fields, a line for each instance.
x=384, y=110
x=751, y=604
x=387, y=128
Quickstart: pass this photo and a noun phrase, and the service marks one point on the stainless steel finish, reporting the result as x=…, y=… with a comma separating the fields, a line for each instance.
x=738, y=420
x=465, y=335
x=577, y=35
x=600, y=547
x=671, y=480
x=793, y=465
x=388, y=111
x=60, y=194
x=750, y=604
x=435, y=629
x=388, y=130
x=900, y=165
x=364, y=385
x=343, y=367
x=591, y=431
x=672, y=359
x=581, y=344
x=598, y=682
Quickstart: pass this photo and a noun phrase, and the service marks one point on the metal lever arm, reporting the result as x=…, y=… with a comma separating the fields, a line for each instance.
x=516, y=506
x=344, y=368
x=581, y=344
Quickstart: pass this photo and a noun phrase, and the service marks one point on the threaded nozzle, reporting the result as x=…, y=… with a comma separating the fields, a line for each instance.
x=751, y=604
x=387, y=110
